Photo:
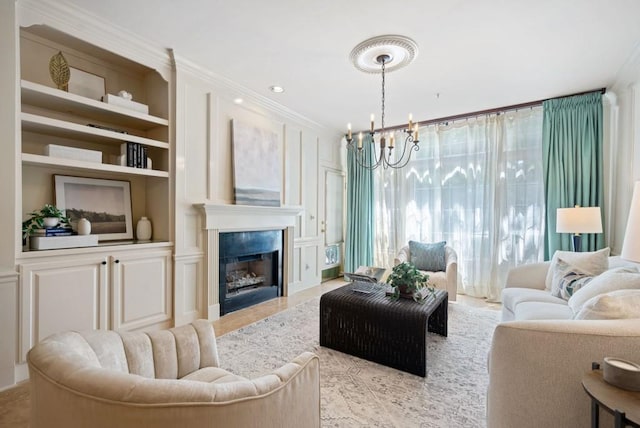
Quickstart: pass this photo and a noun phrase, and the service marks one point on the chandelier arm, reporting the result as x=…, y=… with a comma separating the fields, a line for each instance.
x=361, y=157
x=400, y=158
x=408, y=140
x=398, y=164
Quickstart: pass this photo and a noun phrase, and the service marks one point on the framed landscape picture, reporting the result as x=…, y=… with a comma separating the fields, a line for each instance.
x=105, y=203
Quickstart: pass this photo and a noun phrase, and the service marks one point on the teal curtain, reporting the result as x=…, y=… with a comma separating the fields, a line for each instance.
x=360, y=229
x=573, y=163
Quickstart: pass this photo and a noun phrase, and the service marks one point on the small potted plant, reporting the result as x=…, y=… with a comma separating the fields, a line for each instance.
x=47, y=216
x=407, y=281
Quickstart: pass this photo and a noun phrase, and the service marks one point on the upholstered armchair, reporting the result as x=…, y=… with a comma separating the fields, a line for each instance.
x=168, y=378
x=442, y=274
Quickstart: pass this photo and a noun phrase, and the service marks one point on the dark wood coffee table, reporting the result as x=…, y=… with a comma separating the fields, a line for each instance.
x=374, y=327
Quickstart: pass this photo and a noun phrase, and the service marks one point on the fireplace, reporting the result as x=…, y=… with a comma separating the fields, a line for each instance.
x=250, y=266
x=220, y=219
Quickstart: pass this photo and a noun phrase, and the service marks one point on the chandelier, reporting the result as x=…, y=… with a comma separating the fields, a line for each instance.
x=382, y=54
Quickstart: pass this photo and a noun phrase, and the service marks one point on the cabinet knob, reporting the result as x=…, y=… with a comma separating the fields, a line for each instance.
x=117, y=261
x=104, y=262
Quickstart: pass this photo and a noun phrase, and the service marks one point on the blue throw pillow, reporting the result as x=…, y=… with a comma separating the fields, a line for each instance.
x=428, y=257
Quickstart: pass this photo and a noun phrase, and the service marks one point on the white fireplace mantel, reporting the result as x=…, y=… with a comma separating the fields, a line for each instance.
x=246, y=217
x=236, y=218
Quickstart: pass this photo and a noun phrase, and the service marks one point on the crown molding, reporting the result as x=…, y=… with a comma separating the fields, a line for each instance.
x=65, y=17
x=76, y=22
x=235, y=89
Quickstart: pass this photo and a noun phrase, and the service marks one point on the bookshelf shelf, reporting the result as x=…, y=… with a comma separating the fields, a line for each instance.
x=49, y=98
x=78, y=166
x=75, y=131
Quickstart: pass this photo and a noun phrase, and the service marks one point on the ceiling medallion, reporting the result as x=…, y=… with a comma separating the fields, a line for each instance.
x=402, y=51
x=379, y=55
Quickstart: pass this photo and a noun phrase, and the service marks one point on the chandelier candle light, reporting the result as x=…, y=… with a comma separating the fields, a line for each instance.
x=378, y=55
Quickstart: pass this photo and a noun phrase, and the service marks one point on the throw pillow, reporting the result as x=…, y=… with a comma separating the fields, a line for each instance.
x=612, y=280
x=568, y=279
x=429, y=257
x=619, y=304
x=594, y=262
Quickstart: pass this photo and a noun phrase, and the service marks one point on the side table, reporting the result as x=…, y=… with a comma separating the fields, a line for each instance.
x=623, y=404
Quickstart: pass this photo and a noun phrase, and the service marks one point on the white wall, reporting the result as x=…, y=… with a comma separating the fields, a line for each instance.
x=627, y=151
x=205, y=109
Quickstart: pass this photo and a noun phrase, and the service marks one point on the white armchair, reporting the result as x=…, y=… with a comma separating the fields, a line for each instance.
x=444, y=280
x=165, y=378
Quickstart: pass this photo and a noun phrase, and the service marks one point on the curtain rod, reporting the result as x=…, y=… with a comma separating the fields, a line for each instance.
x=489, y=111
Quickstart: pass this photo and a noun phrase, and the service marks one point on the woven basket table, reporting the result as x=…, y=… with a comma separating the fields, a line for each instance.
x=374, y=327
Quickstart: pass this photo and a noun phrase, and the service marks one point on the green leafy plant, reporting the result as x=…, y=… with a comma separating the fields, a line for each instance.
x=36, y=221
x=406, y=280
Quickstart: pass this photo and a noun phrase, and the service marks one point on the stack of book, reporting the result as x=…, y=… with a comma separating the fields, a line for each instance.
x=53, y=231
x=134, y=155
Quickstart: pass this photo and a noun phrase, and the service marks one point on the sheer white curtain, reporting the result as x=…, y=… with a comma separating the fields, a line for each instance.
x=478, y=185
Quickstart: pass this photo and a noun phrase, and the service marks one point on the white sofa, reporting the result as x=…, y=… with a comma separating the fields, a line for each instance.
x=444, y=280
x=539, y=354
x=168, y=378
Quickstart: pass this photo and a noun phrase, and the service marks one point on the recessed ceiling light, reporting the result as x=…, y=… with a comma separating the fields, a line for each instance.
x=276, y=89
x=238, y=101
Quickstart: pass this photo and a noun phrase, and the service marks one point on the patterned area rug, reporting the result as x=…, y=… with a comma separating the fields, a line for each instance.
x=359, y=393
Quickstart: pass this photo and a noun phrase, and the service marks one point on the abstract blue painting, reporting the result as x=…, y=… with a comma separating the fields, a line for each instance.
x=257, y=165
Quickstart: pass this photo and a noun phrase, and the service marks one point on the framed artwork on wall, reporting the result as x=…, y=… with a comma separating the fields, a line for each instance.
x=105, y=203
x=257, y=165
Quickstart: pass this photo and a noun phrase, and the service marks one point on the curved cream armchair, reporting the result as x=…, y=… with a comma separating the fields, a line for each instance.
x=447, y=280
x=166, y=378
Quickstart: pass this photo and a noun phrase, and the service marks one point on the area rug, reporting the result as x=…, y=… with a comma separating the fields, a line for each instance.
x=359, y=393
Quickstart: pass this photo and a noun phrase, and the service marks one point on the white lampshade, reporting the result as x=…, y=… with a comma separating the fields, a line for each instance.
x=579, y=220
x=631, y=244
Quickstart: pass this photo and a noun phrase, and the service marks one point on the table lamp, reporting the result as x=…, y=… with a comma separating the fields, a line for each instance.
x=579, y=220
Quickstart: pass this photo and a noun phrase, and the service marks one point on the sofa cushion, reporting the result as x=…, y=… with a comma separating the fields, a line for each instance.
x=542, y=311
x=512, y=297
x=567, y=279
x=594, y=262
x=618, y=304
x=612, y=280
x=429, y=257
x=213, y=375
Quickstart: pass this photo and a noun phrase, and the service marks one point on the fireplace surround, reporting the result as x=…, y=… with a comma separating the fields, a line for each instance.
x=222, y=218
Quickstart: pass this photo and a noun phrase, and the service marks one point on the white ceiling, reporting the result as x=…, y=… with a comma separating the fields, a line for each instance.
x=477, y=54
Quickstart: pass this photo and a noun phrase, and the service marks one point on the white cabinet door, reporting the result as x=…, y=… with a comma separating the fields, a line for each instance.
x=62, y=295
x=310, y=271
x=141, y=289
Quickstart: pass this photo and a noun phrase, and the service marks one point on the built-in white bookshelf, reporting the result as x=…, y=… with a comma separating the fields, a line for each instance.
x=52, y=116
